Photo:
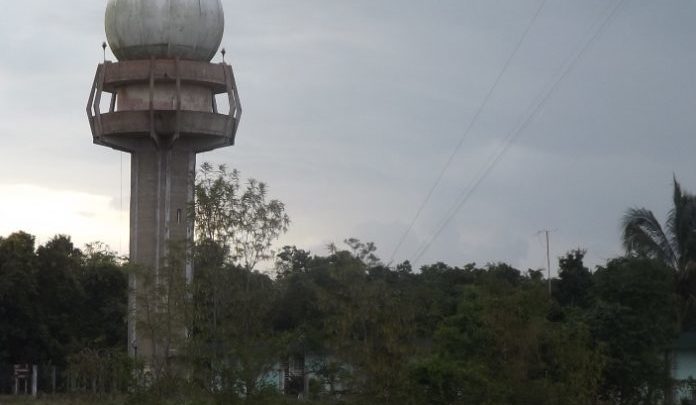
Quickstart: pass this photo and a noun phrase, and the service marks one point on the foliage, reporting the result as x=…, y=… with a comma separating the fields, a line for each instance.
x=364, y=333
x=634, y=321
x=233, y=342
x=368, y=323
x=23, y=334
x=102, y=371
x=378, y=335
x=528, y=358
x=164, y=311
x=239, y=219
x=104, y=285
x=674, y=245
x=574, y=280
x=55, y=300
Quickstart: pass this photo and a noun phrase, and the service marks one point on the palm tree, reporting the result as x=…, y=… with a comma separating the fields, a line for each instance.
x=674, y=245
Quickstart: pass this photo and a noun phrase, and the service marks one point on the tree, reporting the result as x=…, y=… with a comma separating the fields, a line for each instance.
x=634, y=321
x=500, y=347
x=163, y=313
x=674, y=244
x=22, y=332
x=357, y=315
x=575, y=280
x=291, y=260
x=240, y=220
x=233, y=341
x=56, y=300
x=58, y=270
x=104, y=285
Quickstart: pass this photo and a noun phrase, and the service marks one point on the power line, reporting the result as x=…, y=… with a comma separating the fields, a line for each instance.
x=475, y=183
x=473, y=121
x=508, y=141
x=513, y=134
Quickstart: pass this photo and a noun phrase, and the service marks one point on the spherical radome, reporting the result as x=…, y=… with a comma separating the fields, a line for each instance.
x=140, y=29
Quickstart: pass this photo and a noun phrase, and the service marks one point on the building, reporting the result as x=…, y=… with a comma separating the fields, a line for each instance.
x=162, y=109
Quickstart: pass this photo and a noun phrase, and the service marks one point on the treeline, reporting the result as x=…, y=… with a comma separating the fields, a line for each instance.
x=344, y=327
x=438, y=335
x=56, y=300
x=450, y=335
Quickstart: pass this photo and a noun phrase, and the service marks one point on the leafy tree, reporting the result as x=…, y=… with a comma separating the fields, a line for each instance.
x=104, y=285
x=164, y=313
x=299, y=279
x=674, y=244
x=359, y=315
x=438, y=290
x=60, y=295
x=22, y=332
x=634, y=321
x=233, y=339
x=365, y=252
x=291, y=260
x=368, y=323
x=235, y=344
x=527, y=358
x=258, y=224
x=239, y=219
x=575, y=280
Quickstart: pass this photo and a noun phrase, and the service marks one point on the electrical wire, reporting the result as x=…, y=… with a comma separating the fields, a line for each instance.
x=473, y=121
x=596, y=32
x=452, y=211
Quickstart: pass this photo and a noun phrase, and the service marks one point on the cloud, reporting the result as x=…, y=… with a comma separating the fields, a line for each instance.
x=352, y=107
x=45, y=212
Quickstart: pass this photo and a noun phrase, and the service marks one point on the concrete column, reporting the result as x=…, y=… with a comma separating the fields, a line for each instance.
x=161, y=193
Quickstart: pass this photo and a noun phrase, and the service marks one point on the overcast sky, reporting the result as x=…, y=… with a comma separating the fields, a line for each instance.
x=352, y=107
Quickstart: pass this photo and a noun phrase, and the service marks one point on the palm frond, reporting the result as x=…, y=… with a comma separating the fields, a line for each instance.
x=643, y=235
x=681, y=225
x=675, y=215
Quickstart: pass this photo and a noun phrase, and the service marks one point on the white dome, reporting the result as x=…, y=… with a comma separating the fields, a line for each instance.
x=189, y=29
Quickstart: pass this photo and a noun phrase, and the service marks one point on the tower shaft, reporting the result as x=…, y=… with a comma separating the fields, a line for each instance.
x=161, y=194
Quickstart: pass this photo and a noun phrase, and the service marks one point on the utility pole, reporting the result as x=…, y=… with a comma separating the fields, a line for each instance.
x=546, y=232
x=548, y=260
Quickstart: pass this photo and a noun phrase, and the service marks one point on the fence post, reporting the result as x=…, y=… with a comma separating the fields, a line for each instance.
x=53, y=380
x=34, y=380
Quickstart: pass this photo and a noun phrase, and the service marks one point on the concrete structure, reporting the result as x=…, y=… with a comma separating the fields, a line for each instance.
x=164, y=29
x=162, y=111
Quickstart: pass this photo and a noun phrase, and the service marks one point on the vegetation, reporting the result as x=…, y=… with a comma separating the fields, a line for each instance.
x=367, y=333
x=674, y=245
